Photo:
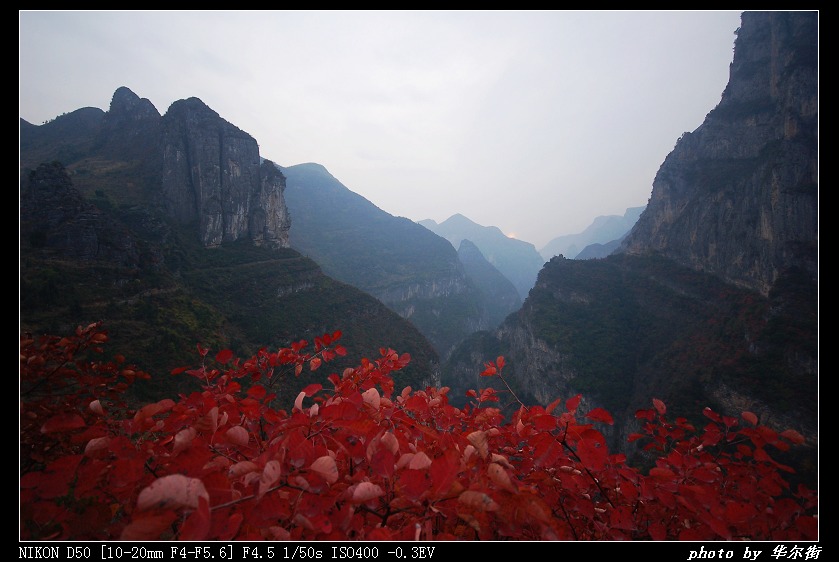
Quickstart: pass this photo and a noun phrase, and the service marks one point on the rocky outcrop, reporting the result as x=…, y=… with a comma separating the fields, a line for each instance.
x=738, y=197
x=55, y=218
x=195, y=166
x=212, y=176
x=131, y=129
x=269, y=219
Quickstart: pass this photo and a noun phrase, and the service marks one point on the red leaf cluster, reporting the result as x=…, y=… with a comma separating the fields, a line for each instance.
x=359, y=461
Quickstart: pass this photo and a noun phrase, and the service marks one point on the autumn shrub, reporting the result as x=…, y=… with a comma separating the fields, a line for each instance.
x=355, y=459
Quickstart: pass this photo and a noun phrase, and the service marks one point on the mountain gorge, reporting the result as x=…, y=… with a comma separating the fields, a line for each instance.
x=174, y=230
x=516, y=259
x=416, y=273
x=712, y=298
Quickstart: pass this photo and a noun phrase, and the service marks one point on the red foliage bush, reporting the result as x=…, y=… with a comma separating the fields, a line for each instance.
x=354, y=460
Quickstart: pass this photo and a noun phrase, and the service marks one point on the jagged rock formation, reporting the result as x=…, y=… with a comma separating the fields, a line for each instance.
x=190, y=162
x=130, y=129
x=738, y=197
x=212, y=174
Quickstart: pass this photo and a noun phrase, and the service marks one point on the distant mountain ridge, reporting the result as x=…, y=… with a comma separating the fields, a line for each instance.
x=516, y=259
x=415, y=272
x=603, y=231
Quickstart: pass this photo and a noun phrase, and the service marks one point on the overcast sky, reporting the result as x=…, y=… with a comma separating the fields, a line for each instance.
x=532, y=121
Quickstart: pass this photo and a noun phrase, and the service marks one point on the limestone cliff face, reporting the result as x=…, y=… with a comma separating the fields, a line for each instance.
x=738, y=197
x=212, y=175
x=269, y=219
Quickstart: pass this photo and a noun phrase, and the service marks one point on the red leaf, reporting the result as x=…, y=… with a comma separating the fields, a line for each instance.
x=312, y=389
x=270, y=474
x=593, y=453
x=761, y=455
x=314, y=363
x=372, y=398
x=238, y=435
x=183, y=439
x=63, y=422
x=572, y=403
x=172, y=491
x=739, y=512
x=383, y=463
x=500, y=362
x=223, y=357
x=419, y=461
x=601, y=415
x=230, y=527
x=148, y=527
x=552, y=406
x=197, y=525
x=499, y=475
x=364, y=492
x=793, y=436
x=621, y=518
x=257, y=392
x=749, y=417
x=478, y=500
x=544, y=422
x=444, y=470
x=478, y=439
x=659, y=406
x=326, y=468
x=663, y=473
x=657, y=530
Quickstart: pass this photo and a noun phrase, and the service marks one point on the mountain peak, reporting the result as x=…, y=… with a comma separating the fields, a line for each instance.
x=126, y=102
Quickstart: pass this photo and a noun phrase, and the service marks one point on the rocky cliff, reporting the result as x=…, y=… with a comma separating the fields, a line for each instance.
x=738, y=197
x=198, y=168
x=212, y=175
x=712, y=301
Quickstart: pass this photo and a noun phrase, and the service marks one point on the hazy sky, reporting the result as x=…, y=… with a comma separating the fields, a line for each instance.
x=532, y=121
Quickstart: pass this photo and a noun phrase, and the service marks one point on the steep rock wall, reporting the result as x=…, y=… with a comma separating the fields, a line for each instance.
x=738, y=197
